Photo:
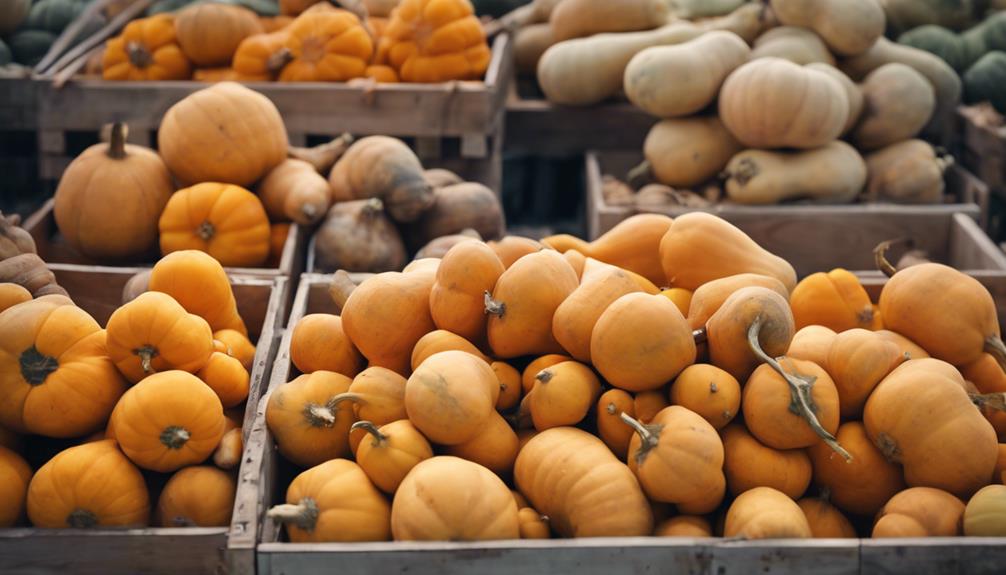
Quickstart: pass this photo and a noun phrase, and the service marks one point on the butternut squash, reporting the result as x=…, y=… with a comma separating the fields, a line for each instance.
x=908, y=172
x=898, y=103
x=294, y=191
x=579, y=18
x=848, y=27
x=686, y=152
x=852, y=93
x=798, y=45
x=834, y=173
x=529, y=43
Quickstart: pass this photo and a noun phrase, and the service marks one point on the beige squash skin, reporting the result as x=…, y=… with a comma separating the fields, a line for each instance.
x=835, y=173
x=579, y=18
x=848, y=27
x=852, y=93
x=529, y=43
x=985, y=514
x=906, y=172
x=793, y=43
x=685, y=152
x=673, y=81
x=898, y=103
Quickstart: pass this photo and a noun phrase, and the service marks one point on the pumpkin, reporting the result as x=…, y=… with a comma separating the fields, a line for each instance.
x=391, y=452
x=147, y=49
x=446, y=498
x=857, y=362
x=14, y=477
x=752, y=324
x=272, y=24
x=631, y=245
x=765, y=513
x=972, y=323
x=641, y=342
x=167, y=421
x=848, y=28
x=441, y=340
x=262, y=56
x=153, y=333
x=701, y=247
x=898, y=102
x=247, y=140
x=237, y=346
x=110, y=197
x=198, y=496
x=812, y=343
x=796, y=44
x=853, y=93
x=387, y=314
x=708, y=391
x=86, y=486
x=199, y=283
x=563, y=395
x=459, y=207
x=523, y=303
x=678, y=458
x=457, y=300
x=13, y=15
x=920, y=512
x=384, y=168
x=836, y=300
x=686, y=152
x=860, y=486
x=834, y=173
x=357, y=236
x=509, y=249
x=334, y=501
x=904, y=344
x=983, y=515
x=530, y=373
x=55, y=376
x=573, y=322
x=326, y=46
x=30, y=272
x=610, y=427
x=711, y=295
x=495, y=448
x=319, y=343
x=210, y=33
x=684, y=526
x=12, y=294
x=797, y=107
x=450, y=397
x=310, y=418
x=439, y=247
x=981, y=79
x=228, y=453
x=434, y=41
x=655, y=77
x=921, y=416
x=570, y=476
x=680, y=297
x=296, y=7
x=294, y=191
x=750, y=464
x=533, y=525
x=227, y=378
x=580, y=18
x=907, y=172
x=825, y=520
x=378, y=395
x=510, y=385
x=226, y=221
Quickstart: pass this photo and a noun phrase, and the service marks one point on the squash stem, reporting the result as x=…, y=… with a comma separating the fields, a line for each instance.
x=319, y=415
x=880, y=255
x=996, y=401
x=494, y=307
x=278, y=60
x=81, y=519
x=206, y=231
x=303, y=515
x=341, y=288
x=544, y=376
x=147, y=354
x=117, y=141
x=700, y=335
x=994, y=346
x=379, y=438
x=800, y=387
x=348, y=396
x=649, y=434
x=640, y=175
x=174, y=437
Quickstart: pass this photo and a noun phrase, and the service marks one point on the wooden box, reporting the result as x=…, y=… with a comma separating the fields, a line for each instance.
x=984, y=148
x=98, y=290
x=54, y=250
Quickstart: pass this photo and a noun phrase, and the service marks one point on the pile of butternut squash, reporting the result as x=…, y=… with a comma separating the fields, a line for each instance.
x=148, y=410
x=671, y=378
x=310, y=41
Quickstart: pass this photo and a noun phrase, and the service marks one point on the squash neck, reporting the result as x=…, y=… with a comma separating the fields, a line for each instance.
x=36, y=367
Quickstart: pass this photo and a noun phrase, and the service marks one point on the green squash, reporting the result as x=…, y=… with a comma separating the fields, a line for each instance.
x=260, y=7
x=54, y=15
x=496, y=8
x=162, y=6
x=939, y=41
x=985, y=81
x=903, y=15
x=30, y=46
x=12, y=14
x=5, y=56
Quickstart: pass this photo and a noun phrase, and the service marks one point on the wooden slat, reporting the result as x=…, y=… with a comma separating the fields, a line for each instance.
x=933, y=556
x=984, y=150
x=18, y=104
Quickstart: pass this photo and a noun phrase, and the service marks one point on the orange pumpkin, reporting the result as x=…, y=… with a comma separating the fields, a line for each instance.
x=750, y=463
x=857, y=362
x=328, y=46
x=563, y=395
x=382, y=74
x=681, y=298
x=826, y=521
x=147, y=49
x=835, y=300
x=442, y=340
x=167, y=421
x=753, y=324
x=533, y=525
x=391, y=452
x=55, y=375
x=319, y=343
x=764, y=513
x=435, y=41
x=262, y=56
x=509, y=249
x=14, y=477
x=451, y=396
x=711, y=296
x=197, y=496
x=708, y=391
x=610, y=427
x=457, y=300
x=227, y=378
x=226, y=221
x=510, y=385
x=310, y=418
x=12, y=294
x=530, y=373
x=920, y=512
x=494, y=448
x=907, y=346
x=813, y=343
x=684, y=526
x=209, y=33
x=198, y=282
x=378, y=395
x=237, y=346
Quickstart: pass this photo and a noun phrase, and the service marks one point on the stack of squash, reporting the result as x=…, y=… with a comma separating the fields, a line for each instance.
x=156, y=398
x=524, y=389
x=310, y=41
x=30, y=27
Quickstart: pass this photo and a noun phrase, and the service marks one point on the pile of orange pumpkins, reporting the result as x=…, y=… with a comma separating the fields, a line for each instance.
x=313, y=41
x=523, y=389
x=156, y=398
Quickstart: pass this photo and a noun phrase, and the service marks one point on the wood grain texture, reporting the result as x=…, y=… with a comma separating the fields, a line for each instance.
x=984, y=150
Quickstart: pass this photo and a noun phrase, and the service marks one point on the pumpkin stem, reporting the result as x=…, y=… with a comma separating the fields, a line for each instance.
x=373, y=207
x=174, y=437
x=206, y=231
x=800, y=387
x=138, y=54
x=355, y=398
x=379, y=438
x=544, y=376
x=494, y=307
x=278, y=60
x=147, y=354
x=319, y=415
x=994, y=346
x=880, y=255
x=611, y=408
x=81, y=519
x=996, y=401
x=649, y=434
x=117, y=141
x=303, y=515
x=700, y=335
x=640, y=175
x=341, y=288
x=744, y=172
x=35, y=367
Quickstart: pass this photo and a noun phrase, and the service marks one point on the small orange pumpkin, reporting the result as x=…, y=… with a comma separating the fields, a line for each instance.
x=310, y=418
x=753, y=324
x=857, y=362
x=708, y=391
x=227, y=378
x=826, y=521
x=835, y=300
x=610, y=427
x=14, y=477
x=237, y=346
x=147, y=49
x=684, y=526
x=813, y=343
x=632, y=245
x=209, y=33
x=378, y=395
x=494, y=448
x=391, y=452
x=509, y=249
x=920, y=512
x=533, y=525
x=710, y=296
x=457, y=300
x=510, y=385
x=764, y=513
x=12, y=294
x=197, y=496
x=327, y=46
x=450, y=397
x=198, y=282
x=442, y=340
x=750, y=463
x=530, y=373
x=262, y=56
x=319, y=343
x=563, y=395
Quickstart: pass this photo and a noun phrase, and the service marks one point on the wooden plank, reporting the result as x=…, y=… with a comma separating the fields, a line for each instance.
x=820, y=556
x=984, y=149
x=18, y=104
x=933, y=556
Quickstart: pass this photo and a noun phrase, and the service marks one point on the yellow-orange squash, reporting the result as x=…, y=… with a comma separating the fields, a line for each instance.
x=753, y=324
x=563, y=395
x=199, y=283
x=390, y=452
x=920, y=512
x=457, y=300
x=857, y=362
x=310, y=418
x=12, y=294
x=90, y=485
x=328, y=46
x=510, y=385
x=610, y=427
x=494, y=448
x=442, y=340
x=834, y=300
x=813, y=343
x=528, y=376
x=708, y=391
x=509, y=249
x=197, y=496
x=226, y=221
x=319, y=343
x=450, y=499
x=750, y=464
x=684, y=526
x=435, y=41
x=764, y=513
x=378, y=395
x=209, y=33
x=167, y=421
x=825, y=520
x=14, y=477
x=147, y=49
x=262, y=56
x=227, y=378
x=710, y=296
x=533, y=525
x=450, y=397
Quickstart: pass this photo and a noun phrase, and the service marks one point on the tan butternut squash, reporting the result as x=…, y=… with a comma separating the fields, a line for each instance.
x=686, y=152
x=898, y=103
x=793, y=43
x=833, y=174
x=907, y=172
x=294, y=191
x=848, y=27
x=852, y=93
x=579, y=18
x=529, y=43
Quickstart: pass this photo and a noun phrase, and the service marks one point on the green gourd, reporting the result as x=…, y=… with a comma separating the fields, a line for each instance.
x=5, y=55
x=260, y=7
x=904, y=15
x=496, y=8
x=936, y=40
x=30, y=46
x=54, y=15
x=961, y=51
x=985, y=81
x=12, y=14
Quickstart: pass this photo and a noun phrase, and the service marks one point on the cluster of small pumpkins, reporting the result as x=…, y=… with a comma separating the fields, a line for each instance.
x=29, y=28
x=157, y=396
x=524, y=389
x=311, y=41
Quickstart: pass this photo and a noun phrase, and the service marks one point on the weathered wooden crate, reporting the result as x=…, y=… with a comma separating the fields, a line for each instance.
x=809, y=235
x=984, y=148
x=98, y=290
x=53, y=248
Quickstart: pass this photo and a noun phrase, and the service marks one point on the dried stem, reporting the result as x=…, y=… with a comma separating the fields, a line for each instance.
x=880, y=255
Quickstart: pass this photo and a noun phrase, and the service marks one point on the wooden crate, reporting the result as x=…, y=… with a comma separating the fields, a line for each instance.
x=810, y=236
x=984, y=149
x=54, y=250
x=98, y=290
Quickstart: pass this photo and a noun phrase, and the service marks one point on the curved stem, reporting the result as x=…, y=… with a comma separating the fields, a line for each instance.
x=347, y=396
x=147, y=354
x=640, y=175
x=880, y=255
x=139, y=55
x=800, y=387
x=278, y=60
x=117, y=141
x=303, y=515
x=494, y=307
x=649, y=434
x=369, y=427
x=994, y=346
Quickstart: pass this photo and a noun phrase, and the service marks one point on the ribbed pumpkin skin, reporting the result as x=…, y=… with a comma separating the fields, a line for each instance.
x=14, y=477
x=764, y=513
x=198, y=496
x=920, y=512
x=985, y=514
